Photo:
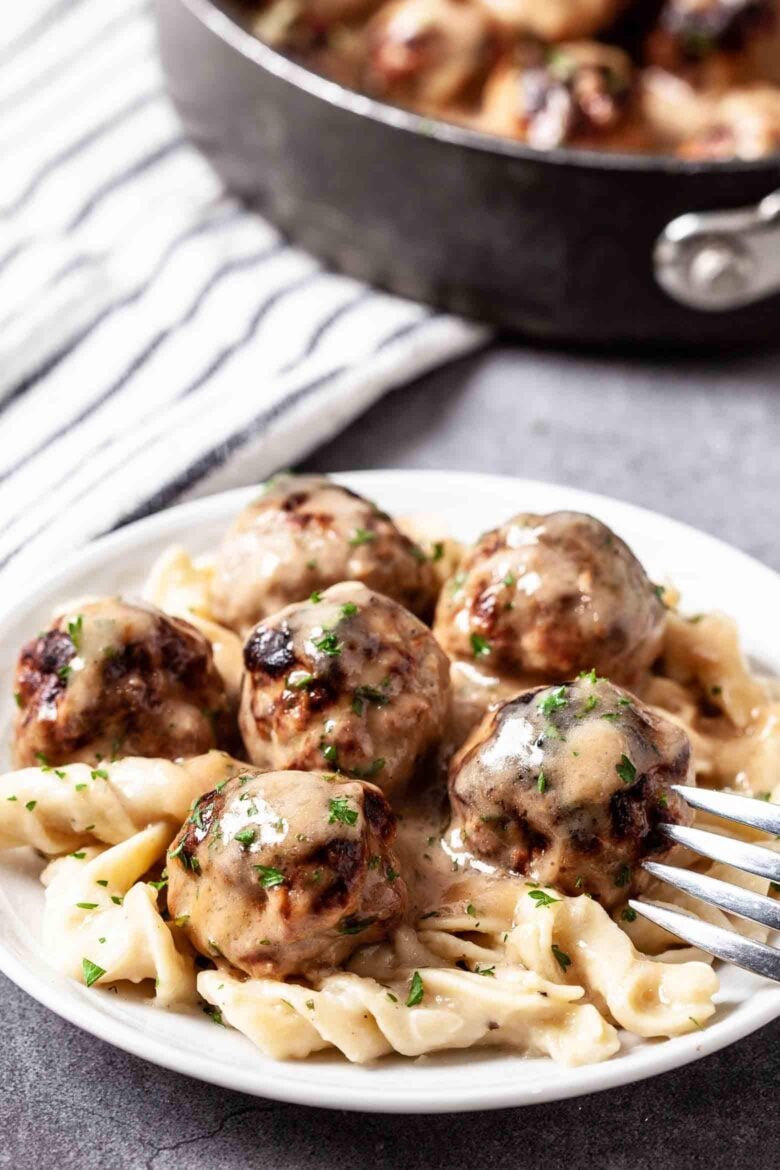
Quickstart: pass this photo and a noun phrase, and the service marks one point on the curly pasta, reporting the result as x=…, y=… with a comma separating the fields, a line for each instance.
x=57, y=809
x=365, y=1019
x=101, y=925
x=180, y=586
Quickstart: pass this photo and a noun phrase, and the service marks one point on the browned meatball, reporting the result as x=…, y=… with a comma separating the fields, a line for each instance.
x=306, y=533
x=286, y=873
x=544, y=597
x=426, y=52
x=690, y=31
x=744, y=124
x=347, y=680
x=570, y=785
x=580, y=93
x=555, y=20
x=110, y=678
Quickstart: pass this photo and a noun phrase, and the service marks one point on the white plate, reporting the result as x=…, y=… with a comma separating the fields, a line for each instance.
x=709, y=574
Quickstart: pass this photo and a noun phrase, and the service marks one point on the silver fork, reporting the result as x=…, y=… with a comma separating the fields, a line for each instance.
x=717, y=941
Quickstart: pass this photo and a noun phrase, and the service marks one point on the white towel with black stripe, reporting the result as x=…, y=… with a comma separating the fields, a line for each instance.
x=157, y=340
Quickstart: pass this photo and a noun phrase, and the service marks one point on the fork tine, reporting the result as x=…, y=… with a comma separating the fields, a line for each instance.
x=723, y=944
x=745, y=809
x=752, y=858
x=734, y=899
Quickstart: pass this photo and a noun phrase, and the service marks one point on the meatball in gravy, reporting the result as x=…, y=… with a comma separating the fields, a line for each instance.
x=544, y=597
x=571, y=786
x=306, y=533
x=110, y=678
x=348, y=680
x=286, y=873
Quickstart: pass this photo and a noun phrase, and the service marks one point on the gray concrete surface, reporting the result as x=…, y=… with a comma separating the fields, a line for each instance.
x=698, y=440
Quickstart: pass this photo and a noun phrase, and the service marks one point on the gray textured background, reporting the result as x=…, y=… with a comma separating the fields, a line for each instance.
x=697, y=440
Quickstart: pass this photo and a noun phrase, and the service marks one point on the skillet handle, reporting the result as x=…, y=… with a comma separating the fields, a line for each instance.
x=719, y=260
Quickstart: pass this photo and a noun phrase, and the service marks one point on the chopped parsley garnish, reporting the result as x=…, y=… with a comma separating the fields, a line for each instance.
x=417, y=553
x=416, y=990
x=79, y=856
x=509, y=580
x=75, y=629
x=161, y=884
x=562, y=959
x=58, y=772
x=663, y=800
x=269, y=877
x=611, y=715
x=623, y=702
x=340, y=811
x=373, y=862
x=214, y=1014
x=364, y=694
x=299, y=679
x=716, y=690
x=578, y=883
x=361, y=536
x=629, y=914
x=626, y=770
x=391, y=997
x=590, y=703
x=182, y=920
x=42, y=761
x=696, y=1022
x=437, y=551
x=245, y=836
x=491, y=971
x=554, y=701
x=12, y=798
x=542, y=898
x=353, y=925
x=63, y=672
x=589, y=675
x=117, y=899
x=185, y=858
x=315, y=597
x=87, y=905
x=330, y=752
x=391, y=873
x=471, y=910
x=103, y=882
x=91, y=971
x=99, y=774
x=328, y=643
x=30, y=805
x=368, y=773
x=311, y=565
x=480, y=646
x=349, y=609
x=623, y=876
x=541, y=782
x=18, y=698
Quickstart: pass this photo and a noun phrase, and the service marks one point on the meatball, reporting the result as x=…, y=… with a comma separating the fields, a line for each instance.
x=580, y=93
x=426, y=52
x=744, y=124
x=110, y=678
x=555, y=20
x=348, y=680
x=544, y=597
x=306, y=533
x=286, y=873
x=690, y=31
x=570, y=785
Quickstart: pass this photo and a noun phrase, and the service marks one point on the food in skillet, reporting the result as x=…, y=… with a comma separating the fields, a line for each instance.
x=595, y=74
x=109, y=678
x=306, y=911
x=305, y=533
x=348, y=680
x=286, y=873
x=571, y=785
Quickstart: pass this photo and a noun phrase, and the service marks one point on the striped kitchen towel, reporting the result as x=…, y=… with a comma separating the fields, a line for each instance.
x=157, y=340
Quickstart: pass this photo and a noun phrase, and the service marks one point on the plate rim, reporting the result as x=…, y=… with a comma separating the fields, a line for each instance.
x=661, y=1057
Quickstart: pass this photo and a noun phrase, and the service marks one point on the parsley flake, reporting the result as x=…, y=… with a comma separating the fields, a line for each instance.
x=340, y=811
x=554, y=701
x=480, y=646
x=91, y=971
x=542, y=898
x=269, y=877
x=416, y=990
x=361, y=536
x=562, y=959
x=626, y=770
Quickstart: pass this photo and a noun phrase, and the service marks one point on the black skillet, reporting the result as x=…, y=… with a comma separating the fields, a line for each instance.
x=563, y=244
